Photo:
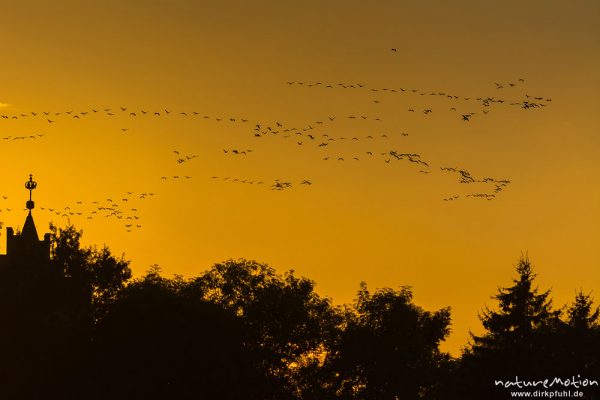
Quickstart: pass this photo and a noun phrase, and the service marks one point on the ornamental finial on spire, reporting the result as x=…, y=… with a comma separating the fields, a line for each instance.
x=30, y=185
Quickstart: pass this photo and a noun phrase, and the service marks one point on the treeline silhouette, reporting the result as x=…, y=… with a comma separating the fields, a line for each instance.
x=83, y=328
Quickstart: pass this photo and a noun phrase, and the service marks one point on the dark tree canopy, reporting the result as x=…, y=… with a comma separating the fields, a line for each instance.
x=79, y=327
x=50, y=309
x=526, y=337
x=522, y=311
x=160, y=339
x=390, y=347
x=582, y=316
x=290, y=326
x=579, y=338
x=95, y=275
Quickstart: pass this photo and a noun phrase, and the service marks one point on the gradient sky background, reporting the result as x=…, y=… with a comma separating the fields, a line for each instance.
x=384, y=223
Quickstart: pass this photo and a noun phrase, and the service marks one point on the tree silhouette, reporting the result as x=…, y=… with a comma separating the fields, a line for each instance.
x=389, y=348
x=290, y=327
x=582, y=316
x=50, y=310
x=520, y=340
x=95, y=276
x=161, y=340
x=578, y=342
x=79, y=327
x=522, y=311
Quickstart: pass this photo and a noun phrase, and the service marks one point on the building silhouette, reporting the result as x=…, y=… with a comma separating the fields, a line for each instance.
x=24, y=248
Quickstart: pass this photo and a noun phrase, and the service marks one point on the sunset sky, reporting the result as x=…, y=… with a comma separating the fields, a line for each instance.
x=254, y=75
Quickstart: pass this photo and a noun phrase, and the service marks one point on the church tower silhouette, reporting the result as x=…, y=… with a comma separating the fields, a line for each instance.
x=25, y=248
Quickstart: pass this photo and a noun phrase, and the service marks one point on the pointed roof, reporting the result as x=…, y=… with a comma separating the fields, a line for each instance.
x=29, y=232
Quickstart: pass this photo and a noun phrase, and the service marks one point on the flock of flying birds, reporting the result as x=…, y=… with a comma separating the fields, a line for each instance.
x=36, y=136
x=55, y=116
x=123, y=209
x=276, y=185
x=486, y=102
x=318, y=134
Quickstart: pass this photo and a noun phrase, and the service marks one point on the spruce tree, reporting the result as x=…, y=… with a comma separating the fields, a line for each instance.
x=579, y=340
x=581, y=314
x=522, y=312
x=518, y=341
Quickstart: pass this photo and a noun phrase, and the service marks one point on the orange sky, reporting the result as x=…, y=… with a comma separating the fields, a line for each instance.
x=382, y=222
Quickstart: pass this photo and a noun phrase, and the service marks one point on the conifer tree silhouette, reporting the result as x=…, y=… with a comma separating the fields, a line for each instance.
x=521, y=312
x=524, y=337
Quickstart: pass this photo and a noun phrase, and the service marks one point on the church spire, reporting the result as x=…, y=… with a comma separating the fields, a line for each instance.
x=25, y=248
x=30, y=185
x=29, y=231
